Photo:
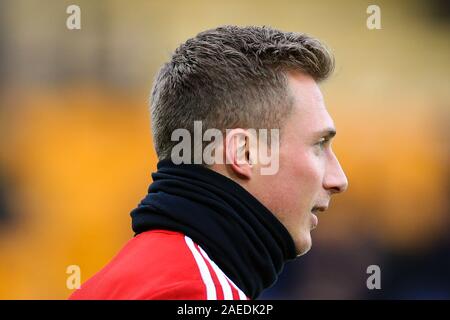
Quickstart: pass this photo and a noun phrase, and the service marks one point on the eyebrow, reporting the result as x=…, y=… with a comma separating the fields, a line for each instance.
x=327, y=133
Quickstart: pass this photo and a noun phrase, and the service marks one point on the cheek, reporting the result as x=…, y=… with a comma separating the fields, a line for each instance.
x=294, y=187
x=303, y=169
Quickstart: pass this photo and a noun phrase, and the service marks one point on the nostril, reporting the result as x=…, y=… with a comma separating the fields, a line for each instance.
x=336, y=189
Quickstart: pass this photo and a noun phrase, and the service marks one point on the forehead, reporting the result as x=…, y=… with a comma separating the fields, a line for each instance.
x=310, y=113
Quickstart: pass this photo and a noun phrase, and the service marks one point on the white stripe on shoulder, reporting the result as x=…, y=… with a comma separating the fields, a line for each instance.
x=204, y=271
x=226, y=289
x=242, y=295
x=219, y=274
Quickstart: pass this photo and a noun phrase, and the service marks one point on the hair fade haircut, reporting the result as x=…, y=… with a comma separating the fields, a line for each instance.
x=232, y=77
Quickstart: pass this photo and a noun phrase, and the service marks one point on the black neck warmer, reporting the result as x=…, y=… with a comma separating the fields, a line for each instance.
x=238, y=233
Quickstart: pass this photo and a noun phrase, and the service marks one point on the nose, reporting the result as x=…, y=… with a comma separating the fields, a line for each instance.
x=335, y=180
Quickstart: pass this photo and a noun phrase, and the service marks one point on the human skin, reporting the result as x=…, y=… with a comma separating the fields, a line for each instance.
x=309, y=172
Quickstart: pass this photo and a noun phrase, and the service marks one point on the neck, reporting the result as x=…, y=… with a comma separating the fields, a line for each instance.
x=238, y=232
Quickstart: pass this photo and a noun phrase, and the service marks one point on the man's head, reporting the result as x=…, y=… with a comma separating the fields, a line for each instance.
x=256, y=78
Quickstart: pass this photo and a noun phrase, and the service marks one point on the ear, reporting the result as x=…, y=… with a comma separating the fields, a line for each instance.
x=238, y=152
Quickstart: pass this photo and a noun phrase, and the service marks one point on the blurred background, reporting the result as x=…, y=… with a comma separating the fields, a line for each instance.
x=76, y=152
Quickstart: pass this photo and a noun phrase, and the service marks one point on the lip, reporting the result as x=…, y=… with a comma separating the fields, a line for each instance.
x=319, y=208
x=314, y=211
x=315, y=221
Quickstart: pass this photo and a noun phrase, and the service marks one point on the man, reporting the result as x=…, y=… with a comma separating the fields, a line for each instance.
x=222, y=229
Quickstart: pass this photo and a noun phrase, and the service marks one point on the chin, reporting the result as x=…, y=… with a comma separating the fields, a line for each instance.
x=303, y=244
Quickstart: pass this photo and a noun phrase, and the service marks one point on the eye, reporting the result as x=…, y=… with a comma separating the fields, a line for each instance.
x=322, y=143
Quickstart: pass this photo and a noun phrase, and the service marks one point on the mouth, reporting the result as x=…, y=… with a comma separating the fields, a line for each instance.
x=314, y=211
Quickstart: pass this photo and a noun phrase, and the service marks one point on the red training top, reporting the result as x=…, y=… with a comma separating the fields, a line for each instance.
x=162, y=265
